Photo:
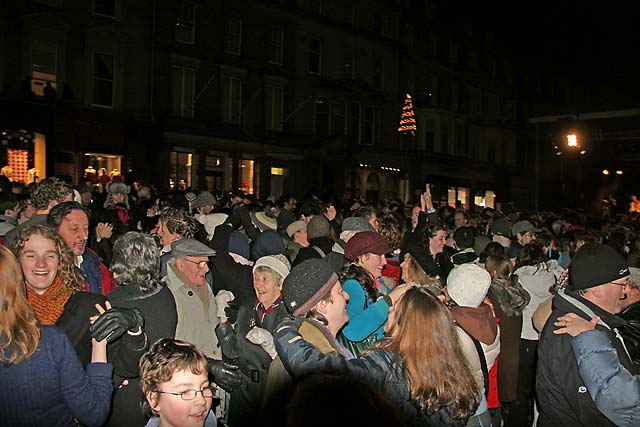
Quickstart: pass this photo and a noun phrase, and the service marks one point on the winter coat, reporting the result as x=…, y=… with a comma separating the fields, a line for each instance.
x=379, y=368
x=365, y=316
x=614, y=390
x=562, y=394
x=631, y=331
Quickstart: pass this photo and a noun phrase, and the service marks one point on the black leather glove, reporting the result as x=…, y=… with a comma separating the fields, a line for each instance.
x=113, y=323
x=231, y=311
x=227, y=340
x=224, y=374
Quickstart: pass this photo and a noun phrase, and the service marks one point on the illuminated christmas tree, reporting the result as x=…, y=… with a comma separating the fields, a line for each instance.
x=408, y=118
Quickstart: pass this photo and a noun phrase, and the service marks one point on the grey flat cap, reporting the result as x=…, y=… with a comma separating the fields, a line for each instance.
x=356, y=223
x=190, y=247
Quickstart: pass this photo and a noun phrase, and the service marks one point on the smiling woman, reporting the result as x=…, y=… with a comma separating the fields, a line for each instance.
x=53, y=288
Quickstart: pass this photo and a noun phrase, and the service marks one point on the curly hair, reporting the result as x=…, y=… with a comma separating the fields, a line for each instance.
x=50, y=189
x=66, y=267
x=390, y=231
x=178, y=221
x=360, y=275
x=165, y=357
x=136, y=261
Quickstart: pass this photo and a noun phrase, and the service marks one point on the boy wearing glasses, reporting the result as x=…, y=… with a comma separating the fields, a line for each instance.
x=175, y=383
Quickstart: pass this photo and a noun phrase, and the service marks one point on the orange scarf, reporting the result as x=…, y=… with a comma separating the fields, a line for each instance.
x=49, y=306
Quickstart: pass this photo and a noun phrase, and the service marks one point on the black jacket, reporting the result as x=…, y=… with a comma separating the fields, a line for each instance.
x=631, y=331
x=563, y=397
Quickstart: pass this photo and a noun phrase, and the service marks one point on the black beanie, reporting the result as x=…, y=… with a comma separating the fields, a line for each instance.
x=596, y=264
x=421, y=256
x=306, y=284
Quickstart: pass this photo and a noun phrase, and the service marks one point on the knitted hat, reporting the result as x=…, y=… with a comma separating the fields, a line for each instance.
x=366, y=242
x=596, y=264
x=501, y=227
x=523, y=227
x=278, y=263
x=204, y=198
x=295, y=227
x=238, y=244
x=356, y=223
x=306, y=284
x=318, y=227
x=190, y=247
x=468, y=284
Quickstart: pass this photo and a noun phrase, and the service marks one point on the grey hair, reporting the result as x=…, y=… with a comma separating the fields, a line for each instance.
x=634, y=277
x=136, y=261
x=348, y=234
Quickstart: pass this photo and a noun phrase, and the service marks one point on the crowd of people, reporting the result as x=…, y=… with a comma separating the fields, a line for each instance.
x=131, y=307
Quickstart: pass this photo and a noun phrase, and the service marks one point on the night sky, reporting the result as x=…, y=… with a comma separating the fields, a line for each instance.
x=595, y=42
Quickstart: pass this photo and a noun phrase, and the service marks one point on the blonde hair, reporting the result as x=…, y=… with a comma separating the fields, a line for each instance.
x=19, y=330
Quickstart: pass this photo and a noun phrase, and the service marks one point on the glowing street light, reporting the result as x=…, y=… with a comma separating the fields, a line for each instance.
x=605, y=172
x=619, y=172
x=572, y=140
x=583, y=152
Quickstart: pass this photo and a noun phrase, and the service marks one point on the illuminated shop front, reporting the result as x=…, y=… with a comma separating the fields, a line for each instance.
x=101, y=168
x=23, y=155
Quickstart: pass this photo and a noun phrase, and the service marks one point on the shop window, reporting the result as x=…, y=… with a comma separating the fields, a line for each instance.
x=233, y=35
x=246, y=176
x=182, y=91
x=103, y=66
x=101, y=168
x=180, y=169
x=185, y=22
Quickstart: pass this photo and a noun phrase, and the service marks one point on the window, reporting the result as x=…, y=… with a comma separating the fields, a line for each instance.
x=233, y=35
x=103, y=79
x=182, y=91
x=321, y=122
x=246, y=176
x=275, y=45
x=180, y=170
x=231, y=100
x=368, y=126
x=185, y=22
x=43, y=69
x=378, y=25
x=105, y=8
x=429, y=130
x=339, y=117
x=315, y=56
x=378, y=74
x=274, y=99
x=317, y=6
x=354, y=121
x=349, y=72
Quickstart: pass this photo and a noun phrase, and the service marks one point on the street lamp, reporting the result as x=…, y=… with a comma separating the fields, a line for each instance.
x=605, y=172
x=572, y=140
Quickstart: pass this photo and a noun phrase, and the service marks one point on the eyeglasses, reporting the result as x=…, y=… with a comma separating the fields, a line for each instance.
x=200, y=264
x=623, y=284
x=206, y=392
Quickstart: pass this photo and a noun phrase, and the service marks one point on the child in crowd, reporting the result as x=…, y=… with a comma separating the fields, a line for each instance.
x=174, y=380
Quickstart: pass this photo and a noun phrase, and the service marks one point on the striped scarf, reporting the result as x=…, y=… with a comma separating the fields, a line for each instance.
x=49, y=306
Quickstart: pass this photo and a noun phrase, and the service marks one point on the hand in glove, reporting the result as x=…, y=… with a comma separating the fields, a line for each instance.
x=113, y=323
x=264, y=339
x=231, y=311
x=227, y=340
x=225, y=374
x=222, y=302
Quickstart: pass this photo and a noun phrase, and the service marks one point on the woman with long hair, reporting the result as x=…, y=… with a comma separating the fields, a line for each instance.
x=369, y=297
x=537, y=274
x=418, y=268
x=509, y=299
x=52, y=286
x=40, y=374
x=425, y=375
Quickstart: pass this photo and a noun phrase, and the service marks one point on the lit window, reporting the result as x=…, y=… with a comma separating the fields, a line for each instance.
x=103, y=65
x=43, y=70
x=277, y=171
x=180, y=170
x=246, y=176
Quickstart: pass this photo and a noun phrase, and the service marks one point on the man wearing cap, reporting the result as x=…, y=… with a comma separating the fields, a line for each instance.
x=205, y=203
x=297, y=232
x=319, y=235
x=523, y=232
x=350, y=227
x=501, y=231
x=195, y=303
x=598, y=286
x=311, y=291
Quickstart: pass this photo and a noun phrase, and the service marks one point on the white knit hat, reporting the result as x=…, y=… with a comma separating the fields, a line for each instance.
x=278, y=263
x=468, y=284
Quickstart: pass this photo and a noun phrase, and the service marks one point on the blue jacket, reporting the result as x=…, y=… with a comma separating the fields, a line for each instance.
x=51, y=388
x=614, y=390
x=365, y=316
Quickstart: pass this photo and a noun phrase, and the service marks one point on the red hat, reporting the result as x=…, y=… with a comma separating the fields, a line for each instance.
x=366, y=242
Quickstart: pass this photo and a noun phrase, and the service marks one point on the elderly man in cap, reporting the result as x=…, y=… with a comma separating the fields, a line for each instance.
x=599, y=277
